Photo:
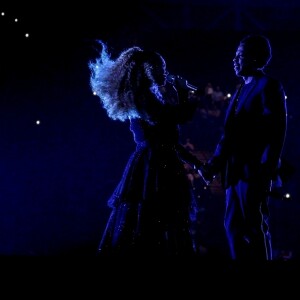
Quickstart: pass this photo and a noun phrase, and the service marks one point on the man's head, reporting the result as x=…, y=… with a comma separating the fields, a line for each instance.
x=259, y=48
x=253, y=53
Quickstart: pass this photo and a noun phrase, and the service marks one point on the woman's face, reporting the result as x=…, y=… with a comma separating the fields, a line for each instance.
x=160, y=72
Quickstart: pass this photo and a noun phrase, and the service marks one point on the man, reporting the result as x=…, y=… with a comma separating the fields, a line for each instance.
x=248, y=153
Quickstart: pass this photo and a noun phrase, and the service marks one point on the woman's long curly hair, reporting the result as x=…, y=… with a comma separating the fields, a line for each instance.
x=123, y=83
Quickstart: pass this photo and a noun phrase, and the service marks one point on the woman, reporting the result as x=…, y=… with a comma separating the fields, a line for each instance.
x=153, y=204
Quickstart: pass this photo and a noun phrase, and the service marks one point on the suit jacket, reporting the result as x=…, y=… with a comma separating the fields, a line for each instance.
x=254, y=133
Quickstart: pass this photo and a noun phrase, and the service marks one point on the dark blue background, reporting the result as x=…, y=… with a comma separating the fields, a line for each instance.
x=55, y=177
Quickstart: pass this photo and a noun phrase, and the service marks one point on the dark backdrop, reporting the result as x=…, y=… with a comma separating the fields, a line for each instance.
x=56, y=176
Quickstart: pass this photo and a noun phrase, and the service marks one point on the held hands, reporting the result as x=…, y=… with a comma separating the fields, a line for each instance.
x=206, y=173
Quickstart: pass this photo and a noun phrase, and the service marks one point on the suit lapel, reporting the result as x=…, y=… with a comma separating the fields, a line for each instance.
x=232, y=103
x=247, y=90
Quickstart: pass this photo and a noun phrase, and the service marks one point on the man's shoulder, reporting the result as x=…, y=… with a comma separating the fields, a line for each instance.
x=270, y=81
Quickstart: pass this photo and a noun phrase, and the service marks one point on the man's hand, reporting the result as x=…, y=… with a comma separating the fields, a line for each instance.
x=206, y=174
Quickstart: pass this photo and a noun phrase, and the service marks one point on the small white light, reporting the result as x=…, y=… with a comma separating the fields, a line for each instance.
x=38, y=122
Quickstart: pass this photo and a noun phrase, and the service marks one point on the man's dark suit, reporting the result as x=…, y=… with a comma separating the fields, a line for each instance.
x=248, y=157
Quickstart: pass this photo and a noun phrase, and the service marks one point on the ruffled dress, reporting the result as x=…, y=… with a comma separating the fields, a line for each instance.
x=153, y=205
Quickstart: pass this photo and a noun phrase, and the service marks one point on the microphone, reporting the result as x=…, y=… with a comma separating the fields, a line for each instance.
x=183, y=83
x=191, y=87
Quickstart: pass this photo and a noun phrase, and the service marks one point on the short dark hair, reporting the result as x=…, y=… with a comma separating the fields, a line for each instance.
x=259, y=47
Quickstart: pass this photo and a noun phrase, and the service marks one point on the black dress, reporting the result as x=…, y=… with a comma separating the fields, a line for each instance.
x=153, y=205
